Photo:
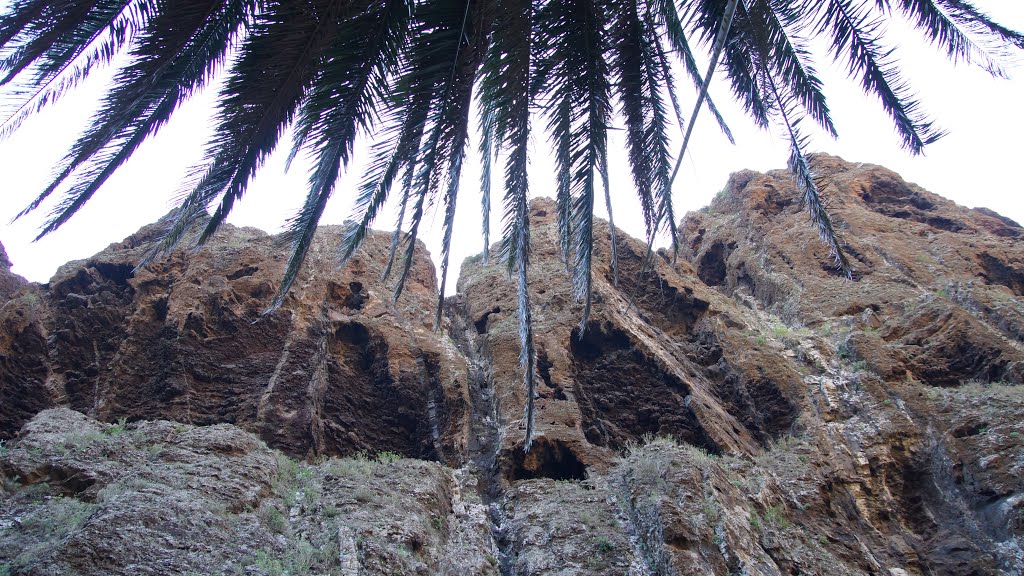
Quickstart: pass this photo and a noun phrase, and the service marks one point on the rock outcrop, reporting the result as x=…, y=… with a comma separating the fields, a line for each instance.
x=744, y=410
x=339, y=368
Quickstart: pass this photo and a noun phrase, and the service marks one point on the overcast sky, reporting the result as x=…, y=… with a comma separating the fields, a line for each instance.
x=975, y=165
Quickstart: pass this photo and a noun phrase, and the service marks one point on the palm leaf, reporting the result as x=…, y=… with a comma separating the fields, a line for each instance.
x=721, y=39
x=855, y=37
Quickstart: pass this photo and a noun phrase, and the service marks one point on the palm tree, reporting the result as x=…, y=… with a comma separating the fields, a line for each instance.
x=405, y=73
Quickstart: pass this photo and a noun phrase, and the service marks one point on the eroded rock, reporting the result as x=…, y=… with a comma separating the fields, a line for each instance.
x=744, y=410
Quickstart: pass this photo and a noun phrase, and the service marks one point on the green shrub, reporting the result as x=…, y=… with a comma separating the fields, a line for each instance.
x=116, y=429
x=604, y=545
x=387, y=457
x=363, y=494
x=273, y=519
x=354, y=466
x=775, y=517
x=780, y=330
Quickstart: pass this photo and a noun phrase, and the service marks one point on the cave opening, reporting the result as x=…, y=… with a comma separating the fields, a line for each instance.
x=547, y=459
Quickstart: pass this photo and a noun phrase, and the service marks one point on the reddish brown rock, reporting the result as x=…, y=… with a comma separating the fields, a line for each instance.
x=9, y=281
x=748, y=411
x=655, y=358
x=941, y=284
x=339, y=368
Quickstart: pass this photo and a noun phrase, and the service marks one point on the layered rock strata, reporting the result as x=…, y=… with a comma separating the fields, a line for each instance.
x=742, y=410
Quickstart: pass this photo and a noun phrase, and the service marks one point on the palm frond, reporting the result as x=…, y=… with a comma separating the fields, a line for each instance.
x=280, y=56
x=667, y=16
x=787, y=107
x=487, y=154
x=68, y=68
x=855, y=37
x=508, y=85
x=721, y=40
x=977, y=22
x=936, y=20
x=62, y=32
x=640, y=75
x=603, y=170
x=778, y=25
x=165, y=70
x=576, y=79
x=351, y=83
x=444, y=61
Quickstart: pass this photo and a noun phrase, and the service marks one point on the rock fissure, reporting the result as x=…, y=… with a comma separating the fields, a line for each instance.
x=485, y=432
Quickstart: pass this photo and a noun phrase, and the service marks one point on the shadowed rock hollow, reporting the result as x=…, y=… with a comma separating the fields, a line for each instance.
x=745, y=411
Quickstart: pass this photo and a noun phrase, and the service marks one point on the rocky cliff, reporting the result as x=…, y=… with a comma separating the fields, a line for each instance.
x=744, y=411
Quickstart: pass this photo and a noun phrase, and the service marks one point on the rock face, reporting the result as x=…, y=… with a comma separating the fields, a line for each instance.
x=157, y=497
x=742, y=411
x=9, y=281
x=338, y=369
x=940, y=286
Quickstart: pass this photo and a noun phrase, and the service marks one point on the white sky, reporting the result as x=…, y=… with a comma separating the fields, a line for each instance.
x=975, y=164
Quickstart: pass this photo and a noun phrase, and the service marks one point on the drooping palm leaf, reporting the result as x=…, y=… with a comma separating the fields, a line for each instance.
x=507, y=87
x=165, y=70
x=855, y=38
x=350, y=85
x=574, y=67
x=785, y=101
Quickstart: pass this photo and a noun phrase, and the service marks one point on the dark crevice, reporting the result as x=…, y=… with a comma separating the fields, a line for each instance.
x=999, y=272
x=711, y=266
x=547, y=459
x=481, y=322
x=365, y=407
x=118, y=273
x=544, y=366
x=484, y=439
x=655, y=402
x=243, y=272
x=356, y=298
x=673, y=310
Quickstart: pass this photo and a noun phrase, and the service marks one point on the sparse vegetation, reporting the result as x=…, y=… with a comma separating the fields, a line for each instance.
x=295, y=482
x=116, y=429
x=115, y=489
x=79, y=441
x=387, y=457
x=296, y=560
x=44, y=529
x=775, y=517
x=780, y=330
x=273, y=519
x=353, y=466
x=363, y=494
x=712, y=510
x=604, y=545
x=755, y=522
x=844, y=351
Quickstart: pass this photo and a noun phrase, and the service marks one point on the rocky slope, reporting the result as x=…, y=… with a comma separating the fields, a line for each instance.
x=745, y=411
